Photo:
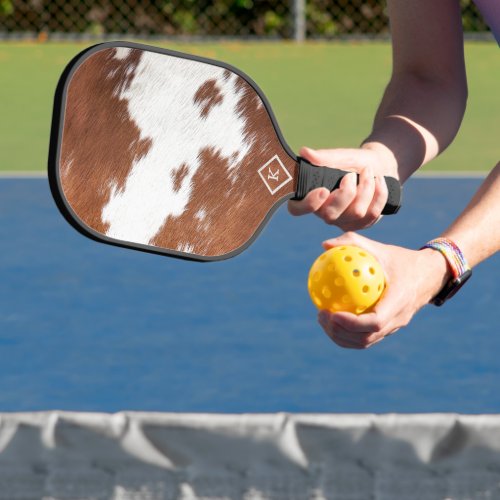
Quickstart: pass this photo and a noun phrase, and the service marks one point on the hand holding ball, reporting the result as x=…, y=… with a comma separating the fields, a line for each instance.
x=346, y=278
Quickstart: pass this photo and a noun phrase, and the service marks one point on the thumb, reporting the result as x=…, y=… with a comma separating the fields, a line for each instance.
x=351, y=159
x=311, y=155
x=349, y=238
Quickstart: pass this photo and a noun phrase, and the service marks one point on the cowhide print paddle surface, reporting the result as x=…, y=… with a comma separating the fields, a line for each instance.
x=171, y=153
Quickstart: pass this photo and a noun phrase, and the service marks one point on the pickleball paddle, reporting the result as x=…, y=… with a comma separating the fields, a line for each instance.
x=172, y=153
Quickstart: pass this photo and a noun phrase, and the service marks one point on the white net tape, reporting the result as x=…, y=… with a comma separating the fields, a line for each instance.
x=160, y=456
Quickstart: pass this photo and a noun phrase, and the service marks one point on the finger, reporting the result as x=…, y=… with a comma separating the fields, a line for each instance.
x=311, y=203
x=365, y=209
x=353, y=339
x=365, y=191
x=385, y=318
x=375, y=339
x=341, y=340
x=391, y=312
x=338, y=201
x=345, y=344
x=339, y=334
x=362, y=324
x=347, y=338
x=393, y=332
x=372, y=343
x=362, y=340
x=380, y=196
x=358, y=224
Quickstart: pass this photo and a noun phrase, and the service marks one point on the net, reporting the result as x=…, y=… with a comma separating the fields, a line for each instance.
x=153, y=456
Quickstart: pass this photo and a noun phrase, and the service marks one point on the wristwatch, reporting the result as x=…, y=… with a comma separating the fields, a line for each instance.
x=460, y=270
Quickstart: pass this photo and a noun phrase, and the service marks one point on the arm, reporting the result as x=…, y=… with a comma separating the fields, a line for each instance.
x=477, y=230
x=419, y=114
x=415, y=277
x=424, y=103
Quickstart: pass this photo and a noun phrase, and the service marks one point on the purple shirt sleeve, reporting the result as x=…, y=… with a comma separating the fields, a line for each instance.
x=490, y=9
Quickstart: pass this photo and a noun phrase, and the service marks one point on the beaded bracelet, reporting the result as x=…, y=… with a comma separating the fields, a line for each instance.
x=460, y=269
x=452, y=254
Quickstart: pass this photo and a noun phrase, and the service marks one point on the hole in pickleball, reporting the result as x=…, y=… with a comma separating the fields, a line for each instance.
x=379, y=287
x=339, y=281
x=363, y=254
x=327, y=293
x=372, y=270
x=360, y=309
x=346, y=299
x=366, y=289
x=317, y=300
x=348, y=258
x=317, y=276
x=356, y=273
x=331, y=268
x=336, y=306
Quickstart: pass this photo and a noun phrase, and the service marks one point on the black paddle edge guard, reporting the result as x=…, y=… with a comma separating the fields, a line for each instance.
x=312, y=177
x=56, y=130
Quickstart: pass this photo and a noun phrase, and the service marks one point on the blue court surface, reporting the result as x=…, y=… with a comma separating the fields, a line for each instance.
x=91, y=327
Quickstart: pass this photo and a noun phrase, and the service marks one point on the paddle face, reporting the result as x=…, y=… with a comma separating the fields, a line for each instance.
x=165, y=152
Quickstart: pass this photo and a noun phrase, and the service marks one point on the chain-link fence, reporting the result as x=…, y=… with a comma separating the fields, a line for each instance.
x=206, y=18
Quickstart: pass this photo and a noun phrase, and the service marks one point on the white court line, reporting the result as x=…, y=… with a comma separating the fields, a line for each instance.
x=431, y=174
x=454, y=174
x=8, y=174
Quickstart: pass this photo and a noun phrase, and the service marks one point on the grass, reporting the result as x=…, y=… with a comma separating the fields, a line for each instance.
x=323, y=95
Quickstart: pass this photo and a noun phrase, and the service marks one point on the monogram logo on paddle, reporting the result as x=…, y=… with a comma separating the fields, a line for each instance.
x=274, y=174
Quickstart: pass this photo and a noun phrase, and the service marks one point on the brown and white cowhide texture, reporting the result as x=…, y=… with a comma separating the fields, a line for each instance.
x=169, y=152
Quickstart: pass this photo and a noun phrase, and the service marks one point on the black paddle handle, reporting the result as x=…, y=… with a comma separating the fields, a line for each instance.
x=312, y=177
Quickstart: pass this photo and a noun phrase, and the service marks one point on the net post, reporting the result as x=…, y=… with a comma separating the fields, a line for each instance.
x=299, y=20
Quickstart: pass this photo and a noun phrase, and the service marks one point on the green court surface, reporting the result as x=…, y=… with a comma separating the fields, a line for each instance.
x=323, y=95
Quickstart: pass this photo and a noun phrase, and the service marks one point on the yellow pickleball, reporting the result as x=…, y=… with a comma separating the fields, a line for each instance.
x=346, y=278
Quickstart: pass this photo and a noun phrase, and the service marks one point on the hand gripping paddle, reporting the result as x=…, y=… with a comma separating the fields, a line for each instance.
x=171, y=153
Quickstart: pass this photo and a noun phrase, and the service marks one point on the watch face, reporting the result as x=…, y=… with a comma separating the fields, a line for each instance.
x=451, y=288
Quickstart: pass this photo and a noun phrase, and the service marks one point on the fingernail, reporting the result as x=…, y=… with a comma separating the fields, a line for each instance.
x=347, y=178
x=324, y=194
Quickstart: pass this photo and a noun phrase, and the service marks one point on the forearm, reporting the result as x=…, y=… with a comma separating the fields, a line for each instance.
x=416, y=120
x=477, y=230
x=424, y=103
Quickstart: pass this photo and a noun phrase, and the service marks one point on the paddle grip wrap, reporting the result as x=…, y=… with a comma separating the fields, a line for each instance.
x=312, y=177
